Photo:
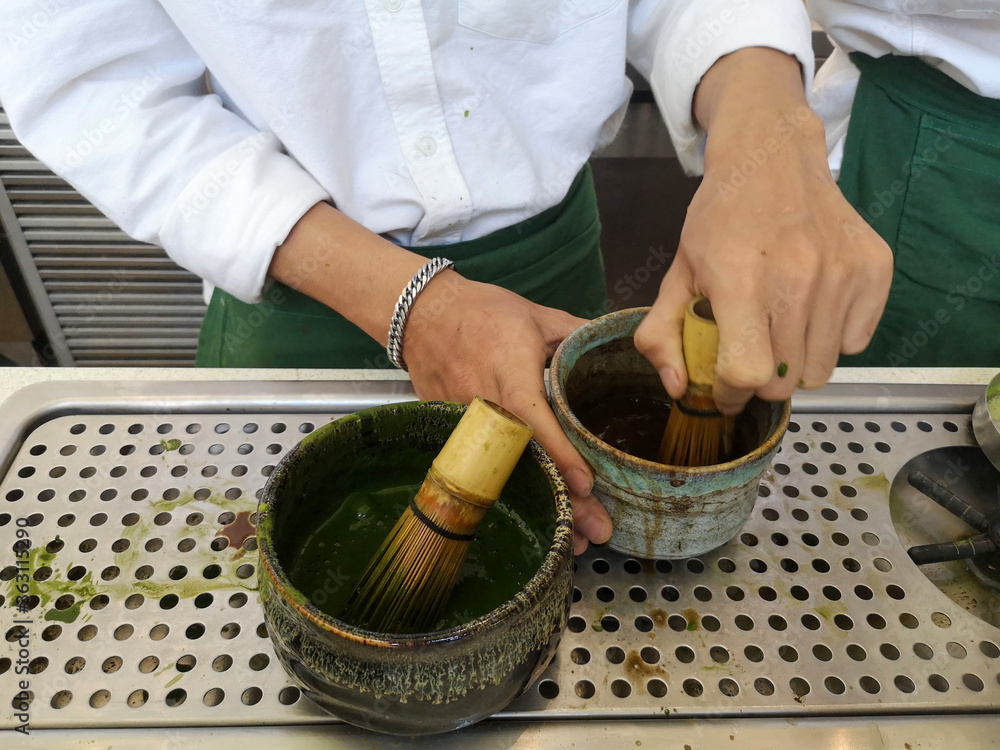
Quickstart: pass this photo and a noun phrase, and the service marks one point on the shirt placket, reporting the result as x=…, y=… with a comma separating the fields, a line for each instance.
x=402, y=48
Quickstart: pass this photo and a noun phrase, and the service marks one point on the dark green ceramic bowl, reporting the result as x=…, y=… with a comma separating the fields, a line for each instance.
x=418, y=684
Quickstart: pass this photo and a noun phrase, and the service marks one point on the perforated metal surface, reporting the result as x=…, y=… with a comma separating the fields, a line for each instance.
x=815, y=607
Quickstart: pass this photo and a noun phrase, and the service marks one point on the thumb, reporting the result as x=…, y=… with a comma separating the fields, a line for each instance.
x=659, y=337
x=551, y=436
x=524, y=394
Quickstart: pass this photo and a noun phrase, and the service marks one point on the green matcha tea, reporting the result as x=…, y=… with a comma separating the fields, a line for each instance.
x=327, y=568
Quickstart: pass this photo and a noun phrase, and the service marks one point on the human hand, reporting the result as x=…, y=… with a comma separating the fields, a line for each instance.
x=462, y=338
x=795, y=276
x=465, y=339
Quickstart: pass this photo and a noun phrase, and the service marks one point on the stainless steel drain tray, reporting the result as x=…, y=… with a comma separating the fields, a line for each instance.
x=148, y=618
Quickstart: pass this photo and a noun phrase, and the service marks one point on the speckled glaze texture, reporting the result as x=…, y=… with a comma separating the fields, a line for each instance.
x=658, y=511
x=425, y=683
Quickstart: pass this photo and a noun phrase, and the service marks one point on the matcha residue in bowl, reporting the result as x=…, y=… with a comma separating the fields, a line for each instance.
x=331, y=559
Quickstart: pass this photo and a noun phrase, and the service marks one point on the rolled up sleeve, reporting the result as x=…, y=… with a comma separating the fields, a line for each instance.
x=673, y=43
x=111, y=97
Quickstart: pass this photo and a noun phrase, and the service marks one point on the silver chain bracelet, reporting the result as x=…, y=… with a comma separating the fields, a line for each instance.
x=428, y=271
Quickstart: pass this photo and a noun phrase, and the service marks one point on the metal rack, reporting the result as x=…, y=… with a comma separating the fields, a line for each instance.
x=148, y=618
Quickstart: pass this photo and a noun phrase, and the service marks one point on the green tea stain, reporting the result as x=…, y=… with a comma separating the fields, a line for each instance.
x=171, y=445
x=829, y=610
x=216, y=502
x=50, y=590
x=39, y=557
x=878, y=482
x=67, y=615
x=329, y=563
x=174, y=681
x=85, y=589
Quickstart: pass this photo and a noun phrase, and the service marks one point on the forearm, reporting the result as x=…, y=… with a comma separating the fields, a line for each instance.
x=752, y=95
x=348, y=268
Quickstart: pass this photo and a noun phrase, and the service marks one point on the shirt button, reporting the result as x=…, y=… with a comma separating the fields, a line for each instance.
x=393, y=5
x=427, y=145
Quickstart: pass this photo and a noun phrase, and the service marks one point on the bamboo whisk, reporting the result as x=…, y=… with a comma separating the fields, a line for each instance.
x=410, y=578
x=697, y=434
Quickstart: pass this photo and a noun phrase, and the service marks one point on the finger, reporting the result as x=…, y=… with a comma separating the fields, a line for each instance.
x=788, y=346
x=658, y=337
x=522, y=391
x=556, y=325
x=745, y=360
x=591, y=519
x=823, y=335
x=580, y=543
x=868, y=303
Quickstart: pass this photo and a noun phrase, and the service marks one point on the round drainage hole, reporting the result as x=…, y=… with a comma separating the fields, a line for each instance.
x=693, y=687
x=548, y=689
x=585, y=689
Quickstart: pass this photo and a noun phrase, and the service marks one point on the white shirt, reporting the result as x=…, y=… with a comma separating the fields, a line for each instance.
x=427, y=123
x=958, y=37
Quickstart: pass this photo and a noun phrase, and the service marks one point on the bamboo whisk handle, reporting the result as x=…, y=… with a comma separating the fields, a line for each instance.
x=701, y=343
x=481, y=453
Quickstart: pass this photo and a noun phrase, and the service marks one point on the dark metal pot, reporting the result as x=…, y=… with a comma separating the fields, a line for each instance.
x=409, y=684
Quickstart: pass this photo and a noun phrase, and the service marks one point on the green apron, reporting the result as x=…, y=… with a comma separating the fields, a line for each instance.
x=553, y=259
x=922, y=166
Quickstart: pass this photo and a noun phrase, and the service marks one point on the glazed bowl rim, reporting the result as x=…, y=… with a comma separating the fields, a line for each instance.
x=560, y=547
x=654, y=468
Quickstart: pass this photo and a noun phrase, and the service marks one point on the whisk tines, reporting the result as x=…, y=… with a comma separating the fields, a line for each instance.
x=406, y=587
x=697, y=434
x=408, y=582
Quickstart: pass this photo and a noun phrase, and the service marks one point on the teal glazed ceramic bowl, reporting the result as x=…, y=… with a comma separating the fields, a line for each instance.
x=658, y=511
x=417, y=684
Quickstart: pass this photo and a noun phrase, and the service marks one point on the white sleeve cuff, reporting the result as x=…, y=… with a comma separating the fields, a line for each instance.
x=706, y=31
x=227, y=222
